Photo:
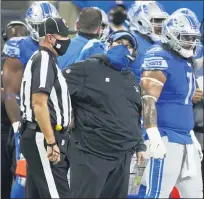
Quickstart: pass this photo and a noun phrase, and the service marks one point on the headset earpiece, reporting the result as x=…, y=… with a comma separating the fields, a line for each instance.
x=9, y=25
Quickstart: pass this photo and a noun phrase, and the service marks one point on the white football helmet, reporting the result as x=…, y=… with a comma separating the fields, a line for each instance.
x=182, y=33
x=105, y=26
x=147, y=17
x=188, y=12
x=35, y=15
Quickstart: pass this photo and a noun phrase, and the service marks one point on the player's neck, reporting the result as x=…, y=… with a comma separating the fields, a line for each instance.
x=145, y=37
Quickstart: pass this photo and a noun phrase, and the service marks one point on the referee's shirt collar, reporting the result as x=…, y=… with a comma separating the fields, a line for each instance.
x=49, y=52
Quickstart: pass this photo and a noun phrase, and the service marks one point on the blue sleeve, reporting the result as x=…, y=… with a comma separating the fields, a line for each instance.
x=152, y=62
x=199, y=52
x=14, y=48
x=91, y=49
x=156, y=58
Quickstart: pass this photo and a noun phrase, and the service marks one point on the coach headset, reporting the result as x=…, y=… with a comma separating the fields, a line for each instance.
x=9, y=25
x=126, y=35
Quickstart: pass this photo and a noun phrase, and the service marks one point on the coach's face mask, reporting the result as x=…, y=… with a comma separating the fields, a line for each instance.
x=61, y=46
x=118, y=57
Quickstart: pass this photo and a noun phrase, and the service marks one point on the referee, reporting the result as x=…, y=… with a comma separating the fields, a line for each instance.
x=46, y=115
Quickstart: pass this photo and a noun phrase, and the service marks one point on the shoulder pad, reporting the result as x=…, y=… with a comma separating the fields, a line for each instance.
x=13, y=46
x=155, y=59
x=154, y=63
x=157, y=50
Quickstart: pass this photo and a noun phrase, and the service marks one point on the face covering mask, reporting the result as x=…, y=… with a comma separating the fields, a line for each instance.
x=61, y=46
x=117, y=57
x=118, y=17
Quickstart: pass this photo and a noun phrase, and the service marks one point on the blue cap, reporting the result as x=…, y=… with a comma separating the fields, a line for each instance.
x=122, y=34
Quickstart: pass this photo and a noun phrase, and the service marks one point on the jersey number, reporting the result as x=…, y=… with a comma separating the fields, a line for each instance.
x=190, y=87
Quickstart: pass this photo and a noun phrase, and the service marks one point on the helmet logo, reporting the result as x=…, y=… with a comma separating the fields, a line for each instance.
x=173, y=22
x=29, y=12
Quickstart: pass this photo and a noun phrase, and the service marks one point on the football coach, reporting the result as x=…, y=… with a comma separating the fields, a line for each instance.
x=107, y=109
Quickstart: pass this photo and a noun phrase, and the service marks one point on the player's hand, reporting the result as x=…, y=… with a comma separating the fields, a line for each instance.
x=141, y=156
x=157, y=148
x=53, y=154
x=197, y=144
x=198, y=95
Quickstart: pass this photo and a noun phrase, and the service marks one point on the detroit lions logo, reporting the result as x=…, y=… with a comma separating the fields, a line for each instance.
x=29, y=12
x=173, y=22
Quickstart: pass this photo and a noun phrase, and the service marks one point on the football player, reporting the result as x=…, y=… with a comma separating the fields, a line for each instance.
x=12, y=29
x=198, y=56
x=168, y=85
x=18, y=51
x=145, y=20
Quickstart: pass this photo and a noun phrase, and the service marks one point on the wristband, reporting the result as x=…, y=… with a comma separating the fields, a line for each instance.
x=10, y=96
x=15, y=126
x=153, y=133
x=51, y=145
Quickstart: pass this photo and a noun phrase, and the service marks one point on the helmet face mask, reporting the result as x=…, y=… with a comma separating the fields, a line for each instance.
x=104, y=27
x=34, y=30
x=104, y=32
x=188, y=42
x=157, y=25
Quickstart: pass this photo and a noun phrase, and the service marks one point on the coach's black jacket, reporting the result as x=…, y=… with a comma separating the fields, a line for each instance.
x=107, y=108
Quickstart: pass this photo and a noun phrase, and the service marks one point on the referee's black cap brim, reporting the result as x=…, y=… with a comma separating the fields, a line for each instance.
x=56, y=26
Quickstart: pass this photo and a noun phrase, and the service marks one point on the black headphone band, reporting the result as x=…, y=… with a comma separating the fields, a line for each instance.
x=9, y=25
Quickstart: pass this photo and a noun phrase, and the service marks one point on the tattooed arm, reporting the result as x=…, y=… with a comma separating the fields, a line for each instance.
x=151, y=86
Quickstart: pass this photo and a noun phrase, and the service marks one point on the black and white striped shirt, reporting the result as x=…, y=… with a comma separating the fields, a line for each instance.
x=43, y=75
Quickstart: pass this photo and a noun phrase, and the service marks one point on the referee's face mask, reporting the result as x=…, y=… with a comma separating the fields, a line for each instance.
x=59, y=44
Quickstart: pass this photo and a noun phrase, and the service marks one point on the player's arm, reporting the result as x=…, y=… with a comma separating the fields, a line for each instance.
x=151, y=86
x=12, y=76
x=155, y=73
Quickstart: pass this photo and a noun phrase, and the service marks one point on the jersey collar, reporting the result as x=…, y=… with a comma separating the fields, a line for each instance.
x=49, y=52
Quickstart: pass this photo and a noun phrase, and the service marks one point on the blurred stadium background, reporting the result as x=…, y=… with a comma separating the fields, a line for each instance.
x=15, y=10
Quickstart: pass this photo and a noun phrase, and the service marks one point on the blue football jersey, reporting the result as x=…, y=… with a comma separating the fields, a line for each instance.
x=93, y=47
x=199, y=52
x=21, y=48
x=174, y=106
x=143, y=45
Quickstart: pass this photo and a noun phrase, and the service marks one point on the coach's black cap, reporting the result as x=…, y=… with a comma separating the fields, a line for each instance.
x=55, y=26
